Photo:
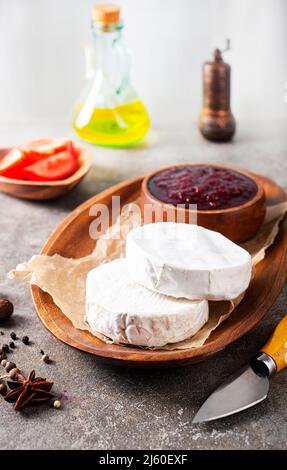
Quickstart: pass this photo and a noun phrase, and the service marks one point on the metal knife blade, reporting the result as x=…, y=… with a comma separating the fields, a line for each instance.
x=242, y=390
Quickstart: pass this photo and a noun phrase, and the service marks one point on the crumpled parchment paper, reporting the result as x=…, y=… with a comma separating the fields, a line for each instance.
x=65, y=278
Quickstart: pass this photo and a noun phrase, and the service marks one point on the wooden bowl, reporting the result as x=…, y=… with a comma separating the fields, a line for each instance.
x=43, y=190
x=238, y=223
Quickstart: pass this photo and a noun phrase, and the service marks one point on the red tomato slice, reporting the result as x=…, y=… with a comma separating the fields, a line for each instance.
x=46, y=147
x=56, y=167
x=33, y=144
x=14, y=163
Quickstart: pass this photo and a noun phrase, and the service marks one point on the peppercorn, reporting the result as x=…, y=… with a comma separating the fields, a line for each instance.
x=42, y=352
x=45, y=358
x=4, y=362
x=3, y=389
x=2, y=333
x=57, y=404
x=13, y=335
x=6, y=309
x=26, y=340
x=5, y=348
x=9, y=366
x=12, y=344
x=2, y=356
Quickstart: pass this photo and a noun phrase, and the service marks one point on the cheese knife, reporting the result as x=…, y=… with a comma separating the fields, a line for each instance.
x=249, y=385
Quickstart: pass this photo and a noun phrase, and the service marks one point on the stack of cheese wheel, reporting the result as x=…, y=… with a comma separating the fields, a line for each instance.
x=159, y=293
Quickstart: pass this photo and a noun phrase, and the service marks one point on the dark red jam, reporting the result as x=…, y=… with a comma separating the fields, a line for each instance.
x=207, y=186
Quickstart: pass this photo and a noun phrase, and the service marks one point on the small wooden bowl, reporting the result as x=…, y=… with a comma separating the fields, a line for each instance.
x=43, y=190
x=238, y=223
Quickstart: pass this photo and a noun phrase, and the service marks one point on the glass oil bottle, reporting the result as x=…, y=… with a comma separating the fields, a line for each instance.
x=109, y=111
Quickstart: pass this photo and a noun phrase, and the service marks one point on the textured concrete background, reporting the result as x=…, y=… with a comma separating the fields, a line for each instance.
x=117, y=408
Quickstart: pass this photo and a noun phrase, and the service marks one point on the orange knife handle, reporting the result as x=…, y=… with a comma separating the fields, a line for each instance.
x=276, y=346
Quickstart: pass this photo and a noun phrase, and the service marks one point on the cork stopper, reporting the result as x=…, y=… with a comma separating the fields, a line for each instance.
x=106, y=13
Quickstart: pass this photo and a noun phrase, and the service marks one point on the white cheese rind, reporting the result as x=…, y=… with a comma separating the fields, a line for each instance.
x=129, y=313
x=184, y=260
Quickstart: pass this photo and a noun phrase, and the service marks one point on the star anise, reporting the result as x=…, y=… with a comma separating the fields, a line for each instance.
x=30, y=390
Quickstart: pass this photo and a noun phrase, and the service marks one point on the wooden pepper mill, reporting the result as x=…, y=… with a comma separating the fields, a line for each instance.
x=216, y=121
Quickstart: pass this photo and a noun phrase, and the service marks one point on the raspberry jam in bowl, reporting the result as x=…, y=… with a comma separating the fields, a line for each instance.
x=228, y=200
x=209, y=187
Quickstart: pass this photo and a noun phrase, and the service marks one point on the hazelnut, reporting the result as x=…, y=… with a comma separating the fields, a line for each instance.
x=6, y=309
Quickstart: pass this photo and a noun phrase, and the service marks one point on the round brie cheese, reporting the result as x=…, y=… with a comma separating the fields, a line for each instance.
x=129, y=313
x=184, y=260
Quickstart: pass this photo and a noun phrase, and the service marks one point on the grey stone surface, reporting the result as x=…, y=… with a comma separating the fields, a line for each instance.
x=117, y=408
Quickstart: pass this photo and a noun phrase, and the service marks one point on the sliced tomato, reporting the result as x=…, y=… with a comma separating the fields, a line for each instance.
x=15, y=162
x=33, y=144
x=45, y=147
x=56, y=167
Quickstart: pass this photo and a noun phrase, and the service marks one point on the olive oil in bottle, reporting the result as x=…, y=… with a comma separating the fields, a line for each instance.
x=110, y=112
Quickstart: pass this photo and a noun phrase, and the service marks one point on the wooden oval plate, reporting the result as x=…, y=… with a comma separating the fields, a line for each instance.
x=71, y=239
x=44, y=190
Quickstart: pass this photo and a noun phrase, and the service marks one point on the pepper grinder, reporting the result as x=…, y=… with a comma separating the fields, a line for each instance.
x=216, y=121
